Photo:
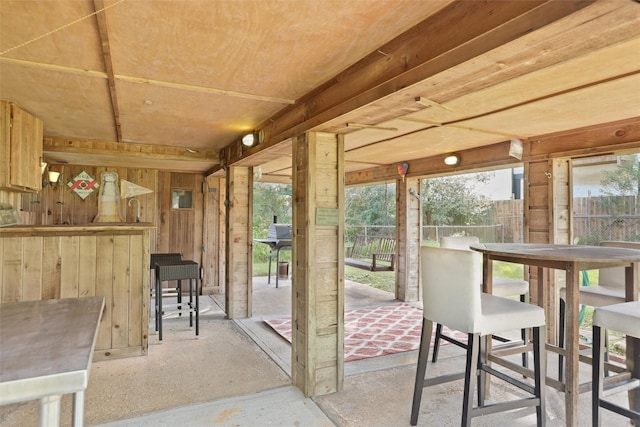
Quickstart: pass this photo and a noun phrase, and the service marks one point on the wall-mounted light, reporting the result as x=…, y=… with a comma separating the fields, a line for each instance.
x=452, y=160
x=249, y=140
x=43, y=167
x=53, y=177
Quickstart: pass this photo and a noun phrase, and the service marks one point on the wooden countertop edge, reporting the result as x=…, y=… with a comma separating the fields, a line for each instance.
x=74, y=230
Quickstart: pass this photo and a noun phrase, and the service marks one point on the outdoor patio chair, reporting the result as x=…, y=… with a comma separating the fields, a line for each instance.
x=502, y=287
x=625, y=318
x=452, y=297
x=608, y=291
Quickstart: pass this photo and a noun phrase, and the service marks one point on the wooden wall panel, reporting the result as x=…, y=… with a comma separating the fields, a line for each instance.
x=110, y=261
x=11, y=270
x=32, y=269
x=104, y=281
x=69, y=254
x=138, y=298
x=121, y=285
x=86, y=266
x=51, y=268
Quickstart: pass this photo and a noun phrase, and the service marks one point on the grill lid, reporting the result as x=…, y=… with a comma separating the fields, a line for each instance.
x=279, y=232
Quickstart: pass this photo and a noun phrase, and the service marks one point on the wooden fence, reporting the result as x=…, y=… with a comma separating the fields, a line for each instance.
x=605, y=218
x=593, y=222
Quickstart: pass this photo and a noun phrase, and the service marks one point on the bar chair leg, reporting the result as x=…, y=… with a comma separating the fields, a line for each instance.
x=471, y=373
x=156, y=304
x=482, y=375
x=525, y=338
x=423, y=356
x=540, y=371
x=436, y=344
x=191, y=303
x=179, y=296
x=197, y=309
x=596, y=372
x=561, y=331
x=159, y=311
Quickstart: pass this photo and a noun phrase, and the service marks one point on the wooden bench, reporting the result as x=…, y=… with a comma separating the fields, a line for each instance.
x=373, y=253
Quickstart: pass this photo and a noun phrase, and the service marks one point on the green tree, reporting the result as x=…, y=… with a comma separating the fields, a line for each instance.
x=269, y=201
x=452, y=200
x=369, y=205
x=621, y=187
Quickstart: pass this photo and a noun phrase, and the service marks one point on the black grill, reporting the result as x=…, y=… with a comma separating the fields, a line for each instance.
x=278, y=238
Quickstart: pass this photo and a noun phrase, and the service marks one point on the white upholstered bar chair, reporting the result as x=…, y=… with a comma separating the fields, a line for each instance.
x=452, y=297
x=625, y=318
x=608, y=291
x=502, y=287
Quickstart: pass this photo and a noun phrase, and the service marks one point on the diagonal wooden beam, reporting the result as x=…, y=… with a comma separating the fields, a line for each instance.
x=103, y=33
x=459, y=32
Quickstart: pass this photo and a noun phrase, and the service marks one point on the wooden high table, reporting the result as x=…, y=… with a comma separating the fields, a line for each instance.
x=571, y=259
x=46, y=349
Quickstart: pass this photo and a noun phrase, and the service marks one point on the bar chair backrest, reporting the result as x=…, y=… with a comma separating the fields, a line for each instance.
x=614, y=277
x=451, y=283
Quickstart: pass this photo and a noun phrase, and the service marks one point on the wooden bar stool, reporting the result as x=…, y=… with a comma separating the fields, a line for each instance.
x=178, y=270
x=625, y=318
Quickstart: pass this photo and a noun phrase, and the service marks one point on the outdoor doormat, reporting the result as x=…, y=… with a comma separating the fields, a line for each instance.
x=376, y=331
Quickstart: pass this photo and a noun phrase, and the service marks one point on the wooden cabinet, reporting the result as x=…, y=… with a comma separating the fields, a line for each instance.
x=20, y=149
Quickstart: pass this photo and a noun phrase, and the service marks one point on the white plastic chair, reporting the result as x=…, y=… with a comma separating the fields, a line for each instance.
x=452, y=297
x=625, y=318
x=502, y=287
x=608, y=291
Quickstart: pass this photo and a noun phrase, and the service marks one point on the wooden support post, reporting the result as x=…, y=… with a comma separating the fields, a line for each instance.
x=239, y=243
x=318, y=256
x=560, y=232
x=409, y=237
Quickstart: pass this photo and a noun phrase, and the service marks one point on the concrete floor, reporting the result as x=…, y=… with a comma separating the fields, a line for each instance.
x=237, y=373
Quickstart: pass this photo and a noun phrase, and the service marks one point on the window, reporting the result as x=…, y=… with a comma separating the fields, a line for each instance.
x=605, y=199
x=181, y=199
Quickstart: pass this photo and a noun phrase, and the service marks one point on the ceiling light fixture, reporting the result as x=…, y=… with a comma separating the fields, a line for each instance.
x=452, y=160
x=249, y=140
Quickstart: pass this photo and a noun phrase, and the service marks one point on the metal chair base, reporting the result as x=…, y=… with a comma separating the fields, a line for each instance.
x=475, y=371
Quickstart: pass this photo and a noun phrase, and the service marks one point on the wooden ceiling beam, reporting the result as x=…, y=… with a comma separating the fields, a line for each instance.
x=122, y=154
x=457, y=33
x=103, y=33
x=618, y=137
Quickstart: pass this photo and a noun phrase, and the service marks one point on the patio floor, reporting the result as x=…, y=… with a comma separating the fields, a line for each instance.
x=238, y=373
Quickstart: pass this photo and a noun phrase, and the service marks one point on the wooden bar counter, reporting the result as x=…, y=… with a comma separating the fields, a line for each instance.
x=52, y=262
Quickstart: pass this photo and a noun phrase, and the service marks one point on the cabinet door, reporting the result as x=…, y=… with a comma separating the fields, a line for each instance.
x=23, y=133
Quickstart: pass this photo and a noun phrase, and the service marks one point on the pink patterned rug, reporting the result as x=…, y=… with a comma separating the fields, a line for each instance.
x=372, y=332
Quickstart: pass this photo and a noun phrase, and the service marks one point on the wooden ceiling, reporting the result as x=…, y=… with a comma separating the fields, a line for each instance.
x=168, y=84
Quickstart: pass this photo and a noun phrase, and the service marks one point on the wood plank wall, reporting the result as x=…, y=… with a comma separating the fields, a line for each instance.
x=58, y=204
x=178, y=230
